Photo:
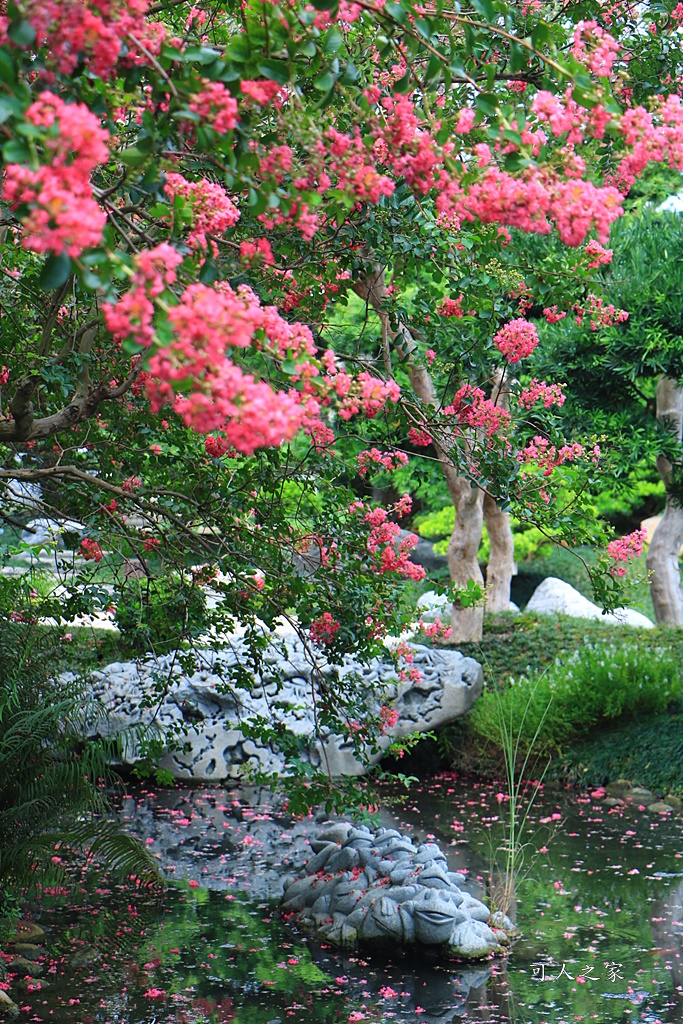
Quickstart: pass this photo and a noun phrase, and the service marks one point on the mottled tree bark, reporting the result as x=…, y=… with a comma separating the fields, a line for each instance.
x=667, y=540
x=501, y=567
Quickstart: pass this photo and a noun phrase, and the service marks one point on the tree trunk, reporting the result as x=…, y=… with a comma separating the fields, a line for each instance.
x=667, y=540
x=501, y=567
x=463, y=564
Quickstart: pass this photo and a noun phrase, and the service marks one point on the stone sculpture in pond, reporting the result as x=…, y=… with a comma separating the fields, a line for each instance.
x=366, y=886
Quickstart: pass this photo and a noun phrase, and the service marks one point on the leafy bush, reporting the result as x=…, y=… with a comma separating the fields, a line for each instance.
x=50, y=780
x=648, y=751
x=438, y=526
x=159, y=614
x=594, y=684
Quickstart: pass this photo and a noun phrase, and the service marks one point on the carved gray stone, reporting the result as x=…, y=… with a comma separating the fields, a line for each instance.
x=422, y=906
x=202, y=702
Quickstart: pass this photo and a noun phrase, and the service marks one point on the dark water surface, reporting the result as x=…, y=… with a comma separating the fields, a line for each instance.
x=599, y=907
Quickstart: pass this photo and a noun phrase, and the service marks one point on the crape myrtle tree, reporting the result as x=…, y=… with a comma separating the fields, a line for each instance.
x=624, y=380
x=191, y=194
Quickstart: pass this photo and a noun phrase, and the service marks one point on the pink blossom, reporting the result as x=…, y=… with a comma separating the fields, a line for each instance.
x=539, y=391
x=420, y=438
x=595, y=47
x=213, y=211
x=516, y=340
x=472, y=408
x=91, y=550
x=215, y=105
x=625, y=548
x=323, y=629
x=451, y=307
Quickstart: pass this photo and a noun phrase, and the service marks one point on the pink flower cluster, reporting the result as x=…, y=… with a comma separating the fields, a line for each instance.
x=600, y=315
x=405, y=146
x=651, y=142
x=595, y=47
x=532, y=204
x=322, y=630
x=381, y=543
x=516, y=340
x=435, y=630
x=539, y=391
x=420, y=438
x=213, y=210
x=552, y=314
x=91, y=550
x=547, y=456
x=564, y=115
x=408, y=673
x=451, y=307
x=388, y=720
x=97, y=31
x=216, y=446
x=472, y=408
x=389, y=461
x=257, y=252
x=362, y=393
x=133, y=315
x=598, y=255
x=4, y=376
x=215, y=105
x=626, y=548
x=260, y=92
x=63, y=215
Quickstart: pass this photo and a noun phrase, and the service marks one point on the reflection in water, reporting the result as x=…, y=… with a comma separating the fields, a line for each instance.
x=604, y=889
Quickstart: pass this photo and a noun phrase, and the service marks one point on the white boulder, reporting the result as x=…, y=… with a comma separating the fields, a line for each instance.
x=555, y=597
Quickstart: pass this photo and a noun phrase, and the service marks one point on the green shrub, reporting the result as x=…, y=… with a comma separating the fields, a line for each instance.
x=592, y=685
x=159, y=614
x=648, y=751
x=438, y=526
x=50, y=778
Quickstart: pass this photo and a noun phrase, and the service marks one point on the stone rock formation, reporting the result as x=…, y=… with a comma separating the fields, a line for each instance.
x=375, y=887
x=555, y=597
x=208, y=707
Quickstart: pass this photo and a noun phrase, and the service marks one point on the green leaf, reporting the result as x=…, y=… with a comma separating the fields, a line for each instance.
x=9, y=106
x=15, y=152
x=22, y=32
x=487, y=103
x=7, y=70
x=324, y=82
x=209, y=272
x=55, y=272
x=324, y=5
x=395, y=11
x=333, y=40
x=278, y=70
x=540, y=35
x=238, y=49
x=404, y=85
x=257, y=201
x=486, y=9
x=518, y=57
x=350, y=76
x=132, y=157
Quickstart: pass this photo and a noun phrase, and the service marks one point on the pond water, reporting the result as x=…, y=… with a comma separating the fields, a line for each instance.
x=599, y=907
